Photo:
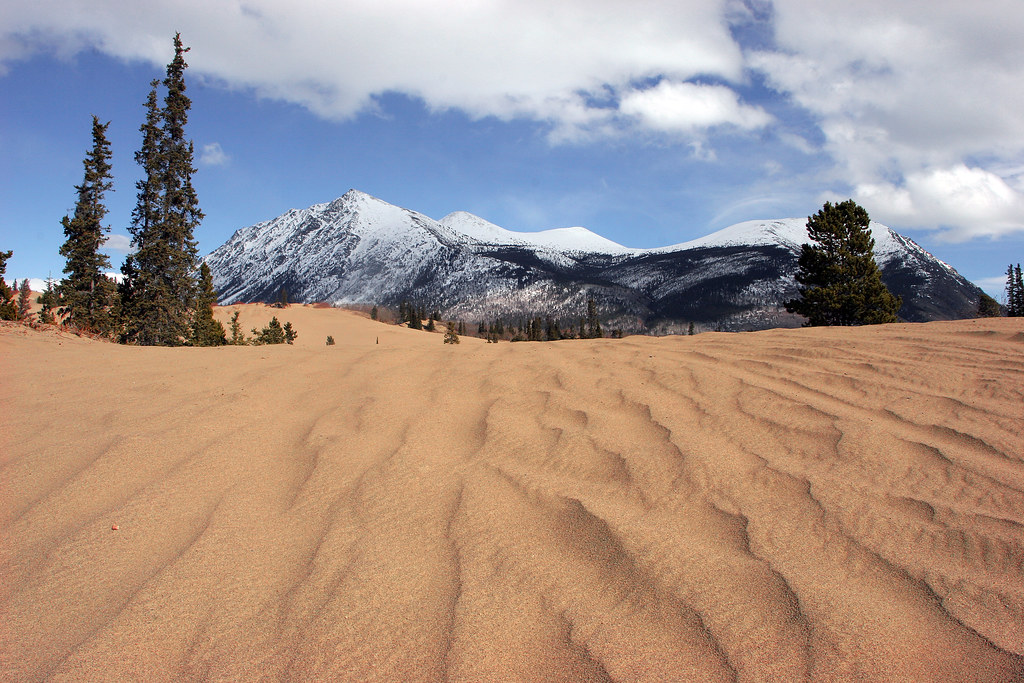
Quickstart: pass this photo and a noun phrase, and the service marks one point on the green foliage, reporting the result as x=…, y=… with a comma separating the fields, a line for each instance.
x=24, y=299
x=842, y=284
x=450, y=335
x=237, y=336
x=330, y=340
x=593, y=321
x=49, y=302
x=87, y=295
x=8, y=309
x=274, y=333
x=430, y=325
x=373, y=313
x=160, y=283
x=1014, y=292
x=282, y=298
x=206, y=330
x=988, y=307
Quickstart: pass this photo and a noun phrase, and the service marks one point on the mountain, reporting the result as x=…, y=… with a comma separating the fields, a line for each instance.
x=359, y=249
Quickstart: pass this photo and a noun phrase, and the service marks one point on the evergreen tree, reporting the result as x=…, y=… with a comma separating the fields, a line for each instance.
x=450, y=335
x=160, y=282
x=593, y=322
x=373, y=313
x=237, y=336
x=842, y=284
x=49, y=302
x=1014, y=292
x=289, y=334
x=206, y=330
x=273, y=333
x=8, y=309
x=330, y=340
x=430, y=325
x=988, y=307
x=87, y=295
x=24, y=299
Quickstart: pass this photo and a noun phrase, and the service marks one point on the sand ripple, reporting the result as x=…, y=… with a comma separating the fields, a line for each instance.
x=834, y=505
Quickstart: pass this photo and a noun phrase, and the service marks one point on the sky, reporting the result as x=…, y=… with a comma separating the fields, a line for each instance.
x=650, y=122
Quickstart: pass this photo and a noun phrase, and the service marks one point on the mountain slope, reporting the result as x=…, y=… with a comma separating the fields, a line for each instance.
x=359, y=249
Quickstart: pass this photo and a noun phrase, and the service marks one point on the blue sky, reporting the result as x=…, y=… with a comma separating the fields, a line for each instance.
x=650, y=123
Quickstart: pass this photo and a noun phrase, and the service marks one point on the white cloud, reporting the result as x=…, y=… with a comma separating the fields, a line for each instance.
x=529, y=58
x=907, y=95
x=689, y=107
x=965, y=202
x=918, y=103
x=122, y=244
x=213, y=154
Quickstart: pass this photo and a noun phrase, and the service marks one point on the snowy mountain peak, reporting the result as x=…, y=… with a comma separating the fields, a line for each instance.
x=575, y=239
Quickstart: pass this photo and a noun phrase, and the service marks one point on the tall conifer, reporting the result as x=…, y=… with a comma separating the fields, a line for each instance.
x=160, y=286
x=86, y=293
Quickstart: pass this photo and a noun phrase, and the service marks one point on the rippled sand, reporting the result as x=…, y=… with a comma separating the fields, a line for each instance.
x=830, y=504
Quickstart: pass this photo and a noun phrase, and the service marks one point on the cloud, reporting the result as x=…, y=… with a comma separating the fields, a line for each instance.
x=121, y=244
x=909, y=97
x=526, y=59
x=213, y=154
x=965, y=202
x=689, y=107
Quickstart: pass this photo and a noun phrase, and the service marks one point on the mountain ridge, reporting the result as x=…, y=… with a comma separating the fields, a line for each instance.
x=361, y=249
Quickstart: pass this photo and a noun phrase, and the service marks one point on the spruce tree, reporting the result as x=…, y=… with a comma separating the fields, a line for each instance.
x=237, y=336
x=49, y=302
x=1014, y=292
x=8, y=308
x=24, y=299
x=160, y=282
x=988, y=307
x=593, y=322
x=450, y=335
x=86, y=294
x=842, y=284
x=206, y=330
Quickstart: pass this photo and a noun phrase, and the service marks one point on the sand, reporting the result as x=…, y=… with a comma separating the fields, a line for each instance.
x=828, y=504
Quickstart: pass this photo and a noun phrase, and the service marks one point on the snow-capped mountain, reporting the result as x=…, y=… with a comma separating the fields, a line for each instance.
x=359, y=249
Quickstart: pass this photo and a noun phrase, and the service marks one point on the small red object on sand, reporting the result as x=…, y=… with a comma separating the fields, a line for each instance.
x=113, y=527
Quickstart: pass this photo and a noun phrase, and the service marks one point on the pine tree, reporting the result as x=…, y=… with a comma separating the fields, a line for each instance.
x=87, y=295
x=593, y=322
x=49, y=302
x=842, y=284
x=160, y=281
x=290, y=334
x=8, y=309
x=1014, y=292
x=206, y=330
x=988, y=307
x=24, y=299
x=373, y=313
x=273, y=333
x=451, y=336
x=237, y=336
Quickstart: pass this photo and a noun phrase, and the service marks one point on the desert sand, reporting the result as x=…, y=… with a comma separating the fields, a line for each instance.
x=791, y=505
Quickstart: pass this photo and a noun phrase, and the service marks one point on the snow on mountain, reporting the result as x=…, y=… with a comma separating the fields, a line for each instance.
x=360, y=249
x=574, y=239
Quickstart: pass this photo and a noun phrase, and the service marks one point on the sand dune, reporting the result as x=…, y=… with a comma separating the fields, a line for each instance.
x=833, y=505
